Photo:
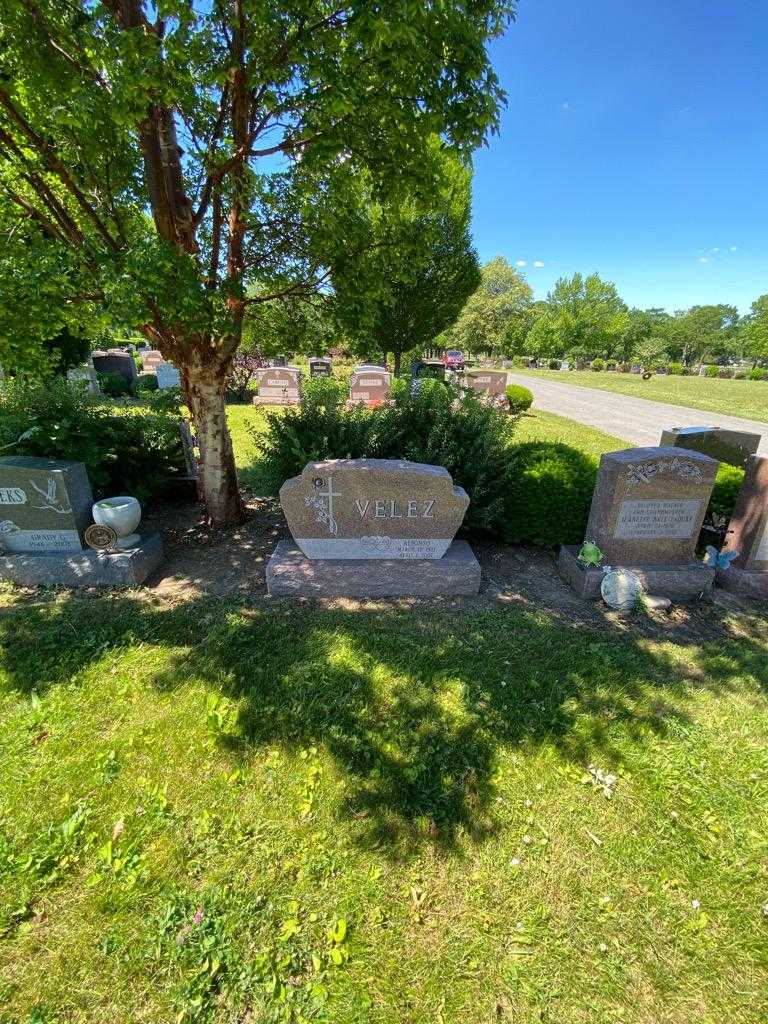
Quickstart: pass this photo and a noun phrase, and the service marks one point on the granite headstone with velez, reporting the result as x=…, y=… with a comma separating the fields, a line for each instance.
x=45, y=504
x=748, y=535
x=721, y=443
x=646, y=515
x=373, y=527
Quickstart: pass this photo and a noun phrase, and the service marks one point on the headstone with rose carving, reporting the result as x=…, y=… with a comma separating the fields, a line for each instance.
x=373, y=528
x=646, y=515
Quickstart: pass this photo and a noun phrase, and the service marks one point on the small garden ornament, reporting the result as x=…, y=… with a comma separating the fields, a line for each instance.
x=590, y=554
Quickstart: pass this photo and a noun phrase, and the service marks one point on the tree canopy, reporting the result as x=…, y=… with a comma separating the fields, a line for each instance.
x=181, y=164
x=486, y=320
x=416, y=273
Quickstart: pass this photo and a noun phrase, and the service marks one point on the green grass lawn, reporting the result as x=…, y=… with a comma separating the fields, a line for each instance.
x=226, y=813
x=745, y=398
x=231, y=812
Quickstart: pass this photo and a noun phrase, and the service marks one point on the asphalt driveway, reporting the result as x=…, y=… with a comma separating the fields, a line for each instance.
x=637, y=420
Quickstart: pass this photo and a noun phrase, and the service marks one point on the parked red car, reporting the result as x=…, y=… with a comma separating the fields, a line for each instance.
x=453, y=359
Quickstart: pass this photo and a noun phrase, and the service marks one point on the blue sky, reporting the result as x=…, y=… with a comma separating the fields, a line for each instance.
x=634, y=143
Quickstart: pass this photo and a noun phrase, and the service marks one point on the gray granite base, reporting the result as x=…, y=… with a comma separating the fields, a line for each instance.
x=745, y=582
x=291, y=574
x=85, y=568
x=678, y=582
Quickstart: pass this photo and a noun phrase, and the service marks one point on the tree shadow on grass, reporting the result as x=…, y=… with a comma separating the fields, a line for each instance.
x=415, y=705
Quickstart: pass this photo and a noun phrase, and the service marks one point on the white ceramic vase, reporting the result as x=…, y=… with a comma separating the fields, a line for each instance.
x=123, y=514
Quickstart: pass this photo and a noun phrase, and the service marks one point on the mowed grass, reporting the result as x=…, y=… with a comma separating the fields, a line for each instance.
x=744, y=398
x=217, y=812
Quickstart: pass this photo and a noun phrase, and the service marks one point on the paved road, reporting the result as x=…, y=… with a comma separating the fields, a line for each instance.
x=634, y=419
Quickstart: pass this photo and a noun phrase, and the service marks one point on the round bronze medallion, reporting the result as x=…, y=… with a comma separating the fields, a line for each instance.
x=100, y=538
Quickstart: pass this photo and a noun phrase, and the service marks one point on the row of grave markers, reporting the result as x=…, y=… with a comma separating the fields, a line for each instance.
x=646, y=516
x=123, y=364
x=369, y=384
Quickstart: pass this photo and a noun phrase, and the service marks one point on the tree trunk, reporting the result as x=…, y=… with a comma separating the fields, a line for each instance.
x=397, y=359
x=217, y=478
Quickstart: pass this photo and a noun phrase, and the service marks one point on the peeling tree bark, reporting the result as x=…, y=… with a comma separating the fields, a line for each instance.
x=205, y=390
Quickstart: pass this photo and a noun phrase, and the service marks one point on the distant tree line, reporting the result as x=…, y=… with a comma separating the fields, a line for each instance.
x=585, y=318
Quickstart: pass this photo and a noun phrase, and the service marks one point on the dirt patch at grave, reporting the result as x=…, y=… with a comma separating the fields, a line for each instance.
x=231, y=563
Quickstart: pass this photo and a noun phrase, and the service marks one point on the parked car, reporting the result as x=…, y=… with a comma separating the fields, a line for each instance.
x=453, y=359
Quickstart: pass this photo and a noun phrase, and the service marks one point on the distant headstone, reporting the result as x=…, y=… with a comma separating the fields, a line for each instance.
x=115, y=362
x=721, y=443
x=167, y=376
x=748, y=535
x=373, y=528
x=279, y=361
x=369, y=385
x=320, y=368
x=278, y=385
x=491, y=383
x=646, y=514
x=151, y=358
x=45, y=504
x=85, y=375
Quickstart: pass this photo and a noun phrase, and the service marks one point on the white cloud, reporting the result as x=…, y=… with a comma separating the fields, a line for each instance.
x=734, y=248
x=520, y=263
x=716, y=249
x=538, y=263
x=565, y=106
x=703, y=259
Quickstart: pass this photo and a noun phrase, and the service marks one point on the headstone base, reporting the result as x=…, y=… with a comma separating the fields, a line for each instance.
x=85, y=568
x=678, y=582
x=744, y=582
x=291, y=574
x=290, y=399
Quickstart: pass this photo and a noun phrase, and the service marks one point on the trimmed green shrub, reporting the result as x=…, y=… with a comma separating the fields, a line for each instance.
x=712, y=371
x=114, y=385
x=597, y=365
x=324, y=391
x=727, y=486
x=436, y=425
x=520, y=399
x=676, y=368
x=127, y=451
x=554, y=364
x=758, y=373
x=550, y=494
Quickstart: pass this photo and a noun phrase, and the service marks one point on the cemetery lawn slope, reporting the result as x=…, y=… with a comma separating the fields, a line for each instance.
x=219, y=811
x=747, y=399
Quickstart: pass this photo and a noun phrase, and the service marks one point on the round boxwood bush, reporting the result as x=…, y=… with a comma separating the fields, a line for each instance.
x=324, y=391
x=758, y=373
x=554, y=364
x=550, y=494
x=676, y=368
x=519, y=398
x=712, y=371
x=597, y=365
